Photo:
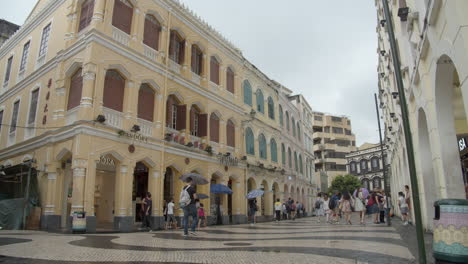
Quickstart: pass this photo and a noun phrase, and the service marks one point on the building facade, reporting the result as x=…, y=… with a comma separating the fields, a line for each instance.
x=431, y=42
x=332, y=141
x=6, y=30
x=111, y=99
x=366, y=163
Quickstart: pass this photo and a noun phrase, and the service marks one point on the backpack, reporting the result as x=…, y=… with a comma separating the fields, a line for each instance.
x=332, y=204
x=184, y=198
x=318, y=203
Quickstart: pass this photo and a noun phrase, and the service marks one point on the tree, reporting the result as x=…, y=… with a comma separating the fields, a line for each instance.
x=346, y=183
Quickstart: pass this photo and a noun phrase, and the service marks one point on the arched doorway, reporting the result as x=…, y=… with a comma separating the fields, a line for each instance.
x=265, y=200
x=140, y=188
x=168, y=191
x=105, y=195
x=429, y=186
x=453, y=129
x=216, y=202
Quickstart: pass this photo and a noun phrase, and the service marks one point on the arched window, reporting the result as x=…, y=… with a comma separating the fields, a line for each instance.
x=214, y=70
x=231, y=134
x=214, y=128
x=260, y=101
x=375, y=163
x=298, y=131
x=151, y=32
x=293, y=125
x=296, y=167
x=301, y=169
x=273, y=150
x=176, y=114
x=283, y=154
x=287, y=120
x=114, y=87
x=122, y=16
x=87, y=10
x=146, y=102
x=376, y=182
x=271, y=108
x=365, y=183
x=76, y=87
x=197, y=60
x=280, y=115
x=363, y=165
x=352, y=167
x=249, y=141
x=262, y=147
x=198, y=122
x=230, y=80
x=176, y=48
x=247, y=93
x=289, y=158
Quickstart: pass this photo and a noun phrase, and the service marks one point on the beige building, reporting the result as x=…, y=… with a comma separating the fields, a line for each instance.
x=111, y=99
x=366, y=163
x=332, y=141
x=432, y=47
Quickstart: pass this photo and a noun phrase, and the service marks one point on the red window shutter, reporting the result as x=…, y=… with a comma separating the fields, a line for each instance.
x=192, y=118
x=181, y=117
x=169, y=104
x=193, y=63
x=182, y=52
x=76, y=87
x=202, y=125
x=146, y=103
x=212, y=74
x=86, y=10
x=230, y=80
x=231, y=134
x=214, y=128
x=172, y=45
x=151, y=32
x=122, y=16
x=114, y=87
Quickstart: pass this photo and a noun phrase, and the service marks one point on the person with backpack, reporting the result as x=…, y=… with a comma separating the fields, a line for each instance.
x=252, y=210
x=187, y=203
x=319, y=211
x=278, y=208
x=326, y=207
x=334, y=206
x=293, y=210
x=147, y=207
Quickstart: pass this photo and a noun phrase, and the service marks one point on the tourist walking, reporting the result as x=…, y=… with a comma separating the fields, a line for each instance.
x=278, y=208
x=299, y=209
x=201, y=216
x=171, y=221
x=373, y=206
x=359, y=205
x=319, y=210
x=147, y=208
x=285, y=211
x=334, y=206
x=403, y=207
x=165, y=213
x=187, y=202
x=346, y=207
x=293, y=210
x=326, y=208
x=253, y=210
x=408, y=202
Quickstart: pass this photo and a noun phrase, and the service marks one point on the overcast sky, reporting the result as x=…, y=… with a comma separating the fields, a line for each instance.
x=325, y=50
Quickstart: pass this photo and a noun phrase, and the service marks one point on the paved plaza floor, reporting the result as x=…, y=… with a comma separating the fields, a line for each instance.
x=300, y=241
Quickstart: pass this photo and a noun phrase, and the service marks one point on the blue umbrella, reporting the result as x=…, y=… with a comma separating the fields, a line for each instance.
x=202, y=196
x=220, y=188
x=254, y=194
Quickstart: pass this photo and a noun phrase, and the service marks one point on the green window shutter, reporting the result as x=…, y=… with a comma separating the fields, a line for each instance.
x=260, y=101
x=281, y=115
x=283, y=155
x=249, y=142
x=247, y=93
x=300, y=164
x=273, y=150
x=262, y=146
x=295, y=161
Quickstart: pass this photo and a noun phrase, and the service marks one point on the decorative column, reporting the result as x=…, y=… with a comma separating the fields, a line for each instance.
x=98, y=14
x=72, y=22
x=222, y=136
x=206, y=71
x=136, y=26
x=160, y=114
x=90, y=189
x=50, y=219
x=163, y=45
x=222, y=78
x=79, y=176
x=153, y=188
x=58, y=105
x=86, y=103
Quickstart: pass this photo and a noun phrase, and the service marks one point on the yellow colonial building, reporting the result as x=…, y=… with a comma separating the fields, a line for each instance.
x=107, y=100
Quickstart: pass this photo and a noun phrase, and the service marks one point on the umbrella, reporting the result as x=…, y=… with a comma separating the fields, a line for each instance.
x=365, y=193
x=202, y=196
x=196, y=178
x=220, y=188
x=254, y=194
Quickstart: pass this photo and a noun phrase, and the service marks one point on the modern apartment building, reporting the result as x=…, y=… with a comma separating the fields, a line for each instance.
x=366, y=163
x=431, y=44
x=110, y=99
x=333, y=139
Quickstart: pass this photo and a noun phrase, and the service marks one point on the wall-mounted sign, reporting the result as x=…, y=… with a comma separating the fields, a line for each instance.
x=105, y=160
x=133, y=135
x=462, y=144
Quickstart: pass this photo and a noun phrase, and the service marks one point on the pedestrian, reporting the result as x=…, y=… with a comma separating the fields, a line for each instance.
x=408, y=202
x=165, y=213
x=171, y=221
x=319, y=207
x=298, y=209
x=201, y=216
x=278, y=208
x=147, y=207
x=293, y=210
x=373, y=204
x=326, y=207
x=334, y=206
x=252, y=210
x=381, y=196
x=387, y=206
x=187, y=202
x=285, y=211
x=346, y=207
x=403, y=207
x=359, y=205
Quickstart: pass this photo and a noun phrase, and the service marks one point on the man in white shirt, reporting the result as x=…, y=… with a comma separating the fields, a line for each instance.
x=170, y=215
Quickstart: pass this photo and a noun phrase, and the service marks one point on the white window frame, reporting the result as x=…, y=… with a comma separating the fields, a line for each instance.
x=4, y=82
x=2, y=121
x=12, y=135
x=41, y=57
x=30, y=132
x=24, y=59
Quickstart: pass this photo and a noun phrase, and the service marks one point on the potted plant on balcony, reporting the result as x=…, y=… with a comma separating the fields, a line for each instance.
x=121, y=132
x=209, y=149
x=190, y=144
x=168, y=137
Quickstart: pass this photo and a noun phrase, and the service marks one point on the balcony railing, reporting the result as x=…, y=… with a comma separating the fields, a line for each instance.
x=196, y=78
x=174, y=66
x=146, y=127
x=113, y=118
x=150, y=52
x=120, y=36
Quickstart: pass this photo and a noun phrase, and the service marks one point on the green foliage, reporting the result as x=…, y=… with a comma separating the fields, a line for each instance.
x=346, y=183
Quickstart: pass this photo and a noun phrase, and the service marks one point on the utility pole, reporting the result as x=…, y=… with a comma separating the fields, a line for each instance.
x=407, y=131
x=385, y=174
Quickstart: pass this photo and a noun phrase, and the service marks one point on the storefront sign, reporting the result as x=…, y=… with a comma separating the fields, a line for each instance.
x=228, y=160
x=104, y=160
x=133, y=135
x=462, y=144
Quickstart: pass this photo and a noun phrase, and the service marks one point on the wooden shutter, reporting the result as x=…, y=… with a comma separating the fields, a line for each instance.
x=122, y=17
x=76, y=87
x=169, y=103
x=231, y=134
x=230, y=80
x=146, y=103
x=1, y=120
x=182, y=52
x=181, y=117
x=151, y=32
x=214, y=128
x=114, y=87
x=193, y=63
x=202, y=125
x=193, y=113
x=14, y=116
x=33, y=106
x=172, y=45
x=214, y=70
x=87, y=10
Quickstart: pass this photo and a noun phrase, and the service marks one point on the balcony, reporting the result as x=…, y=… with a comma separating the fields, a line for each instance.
x=120, y=36
x=196, y=78
x=146, y=127
x=150, y=53
x=113, y=118
x=174, y=66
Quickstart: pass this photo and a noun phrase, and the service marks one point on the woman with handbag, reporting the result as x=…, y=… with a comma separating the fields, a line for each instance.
x=359, y=201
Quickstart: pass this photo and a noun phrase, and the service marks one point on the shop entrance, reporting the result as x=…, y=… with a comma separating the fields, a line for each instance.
x=140, y=188
x=104, y=192
x=229, y=197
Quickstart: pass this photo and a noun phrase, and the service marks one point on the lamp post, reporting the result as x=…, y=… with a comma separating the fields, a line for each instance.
x=407, y=131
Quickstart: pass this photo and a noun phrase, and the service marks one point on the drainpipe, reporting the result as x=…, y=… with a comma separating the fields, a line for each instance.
x=408, y=138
